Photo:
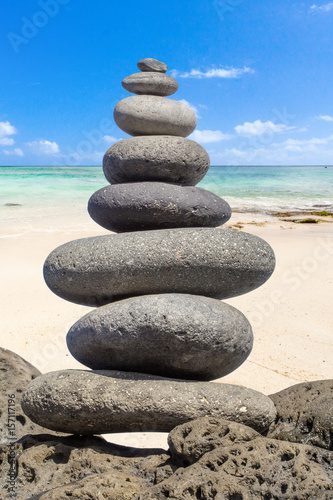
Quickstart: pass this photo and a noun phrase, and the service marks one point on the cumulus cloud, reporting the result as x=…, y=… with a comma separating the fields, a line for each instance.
x=14, y=152
x=44, y=147
x=207, y=136
x=213, y=73
x=326, y=7
x=194, y=108
x=259, y=128
x=6, y=129
x=326, y=118
x=110, y=139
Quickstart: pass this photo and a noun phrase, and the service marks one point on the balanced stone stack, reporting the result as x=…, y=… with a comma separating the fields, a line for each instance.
x=160, y=332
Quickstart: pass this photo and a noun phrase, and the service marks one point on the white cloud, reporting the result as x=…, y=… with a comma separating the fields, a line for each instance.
x=207, y=136
x=14, y=152
x=110, y=138
x=322, y=8
x=43, y=147
x=194, y=108
x=7, y=129
x=326, y=118
x=259, y=128
x=213, y=73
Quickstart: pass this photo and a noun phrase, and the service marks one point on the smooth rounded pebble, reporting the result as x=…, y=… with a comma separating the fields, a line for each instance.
x=154, y=115
x=157, y=158
x=100, y=402
x=150, y=84
x=172, y=335
x=154, y=205
x=218, y=263
x=150, y=64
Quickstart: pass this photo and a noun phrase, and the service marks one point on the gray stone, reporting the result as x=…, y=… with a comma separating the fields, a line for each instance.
x=173, y=335
x=260, y=469
x=150, y=84
x=305, y=414
x=192, y=440
x=99, y=402
x=218, y=263
x=149, y=64
x=156, y=158
x=153, y=205
x=15, y=375
x=153, y=115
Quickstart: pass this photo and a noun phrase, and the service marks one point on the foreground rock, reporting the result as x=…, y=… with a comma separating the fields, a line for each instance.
x=192, y=440
x=191, y=337
x=153, y=115
x=150, y=84
x=305, y=414
x=160, y=158
x=150, y=64
x=15, y=376
x=83, y=468
x=154, y=205
x=259, y=469
x=218, y=263
x=99, y=402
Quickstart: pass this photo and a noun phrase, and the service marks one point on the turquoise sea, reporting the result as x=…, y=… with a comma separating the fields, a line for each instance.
x=254, y=189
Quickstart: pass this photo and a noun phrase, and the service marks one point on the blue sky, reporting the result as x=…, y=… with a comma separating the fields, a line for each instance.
x=258, y=74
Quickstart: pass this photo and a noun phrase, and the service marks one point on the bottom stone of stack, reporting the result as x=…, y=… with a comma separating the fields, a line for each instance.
x=101, y=402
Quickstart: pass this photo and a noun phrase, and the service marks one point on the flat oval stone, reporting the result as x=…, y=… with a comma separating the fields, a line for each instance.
x=160, y=158
x=149, y=64
x=218, y=263
x=150, y=84
x=172, y=335
x=153, y=115
x=154, y=205
x=101, y=402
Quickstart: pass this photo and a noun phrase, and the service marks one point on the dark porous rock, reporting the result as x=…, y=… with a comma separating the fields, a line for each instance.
x=83, y=467
x=159, y=158
x=217, y=263
x=15, y=376
x=192, y=440
x=98, y=402
x=305, y=414
x=173, y=335
x=141, y=206
x=150, y=84
x=256, y=470
x=154, y=115
x=149, y=64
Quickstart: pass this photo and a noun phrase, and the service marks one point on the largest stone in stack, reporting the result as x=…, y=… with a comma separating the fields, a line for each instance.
x=157, y=284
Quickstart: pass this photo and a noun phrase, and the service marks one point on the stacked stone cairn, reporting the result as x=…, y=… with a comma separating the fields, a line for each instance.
x=160, y=332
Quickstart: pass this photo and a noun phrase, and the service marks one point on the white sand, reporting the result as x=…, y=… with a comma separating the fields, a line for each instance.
x=291, y=314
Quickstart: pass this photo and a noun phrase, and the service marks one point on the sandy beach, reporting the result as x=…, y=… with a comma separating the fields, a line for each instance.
x=291, y=314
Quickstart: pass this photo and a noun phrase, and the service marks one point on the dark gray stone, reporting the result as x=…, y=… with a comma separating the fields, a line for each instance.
x=190, y=441
x=173, y=335
x=305, y=414
x=15, y=375
x=153, y=205
x=154, y=115
x=149, y=64
x=156, y=158
x=260, y=469
x=98, y=402
x=218, y=263
x=150, y=84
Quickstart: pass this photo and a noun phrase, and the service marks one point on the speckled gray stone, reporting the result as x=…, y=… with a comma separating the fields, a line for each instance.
x=150, y=84
x=154, y=205
x=154, y=115
x=150, y=64
x=157, y=158
x=99, y=402
x=172, y=335
x=218, y=263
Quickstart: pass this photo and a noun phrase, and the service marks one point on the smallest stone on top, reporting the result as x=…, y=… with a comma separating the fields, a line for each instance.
x=150, y=64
